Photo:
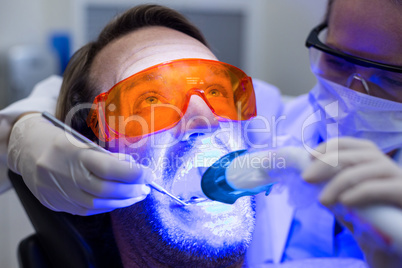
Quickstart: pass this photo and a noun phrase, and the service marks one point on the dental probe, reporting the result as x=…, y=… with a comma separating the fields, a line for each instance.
x=231, y=177
x=96, y=147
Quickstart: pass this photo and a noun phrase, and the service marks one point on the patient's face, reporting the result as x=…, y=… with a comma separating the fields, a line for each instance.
x=205, y=232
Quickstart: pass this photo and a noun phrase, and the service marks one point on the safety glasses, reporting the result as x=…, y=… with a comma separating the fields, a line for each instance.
x=378, y=79
x=157, y=98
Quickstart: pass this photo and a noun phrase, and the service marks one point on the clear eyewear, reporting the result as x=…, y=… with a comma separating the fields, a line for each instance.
x=378, y=79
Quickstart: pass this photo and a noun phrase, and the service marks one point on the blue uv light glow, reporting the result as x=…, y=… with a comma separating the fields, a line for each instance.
x=215, y=209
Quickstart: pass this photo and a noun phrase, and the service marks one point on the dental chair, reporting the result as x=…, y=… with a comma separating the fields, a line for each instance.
x=59, y=241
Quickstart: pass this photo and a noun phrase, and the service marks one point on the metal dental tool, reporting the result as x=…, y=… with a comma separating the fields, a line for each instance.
x=96, y=147
x=159, y=188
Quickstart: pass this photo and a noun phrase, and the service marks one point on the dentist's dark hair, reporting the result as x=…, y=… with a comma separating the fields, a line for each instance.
x=78, y=88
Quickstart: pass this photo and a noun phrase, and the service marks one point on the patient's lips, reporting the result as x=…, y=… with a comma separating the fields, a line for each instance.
x=187, y=179
x=195, y=200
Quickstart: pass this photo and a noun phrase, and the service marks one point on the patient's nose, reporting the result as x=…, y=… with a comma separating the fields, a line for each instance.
x=198, y=118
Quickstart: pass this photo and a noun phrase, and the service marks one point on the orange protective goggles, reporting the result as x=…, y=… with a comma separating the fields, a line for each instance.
x=156, y=98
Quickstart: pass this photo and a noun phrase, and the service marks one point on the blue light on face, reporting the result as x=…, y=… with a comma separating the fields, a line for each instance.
x=207, y=229
x=215, y=209
x=219, y=226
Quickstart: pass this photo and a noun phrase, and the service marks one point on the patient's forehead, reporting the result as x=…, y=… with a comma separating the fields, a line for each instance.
x=141, y=49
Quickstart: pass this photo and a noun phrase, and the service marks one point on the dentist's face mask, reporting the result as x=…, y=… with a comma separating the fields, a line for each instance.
x=156, y=98
x=374, y=113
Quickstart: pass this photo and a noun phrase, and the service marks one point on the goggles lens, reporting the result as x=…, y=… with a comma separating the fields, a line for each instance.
x=156, y=98
x=377, y=82
x=378, y=79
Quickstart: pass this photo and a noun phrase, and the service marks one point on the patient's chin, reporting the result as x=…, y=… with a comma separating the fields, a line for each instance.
x=216, y=224
x=207, y=230
x=213, y=238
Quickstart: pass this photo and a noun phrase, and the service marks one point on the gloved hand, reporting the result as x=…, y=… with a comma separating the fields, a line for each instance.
x=70, y=178
x=364, y=175
x=367, y=178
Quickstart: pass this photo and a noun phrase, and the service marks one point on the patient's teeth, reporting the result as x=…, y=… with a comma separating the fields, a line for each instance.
x=194, y=200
